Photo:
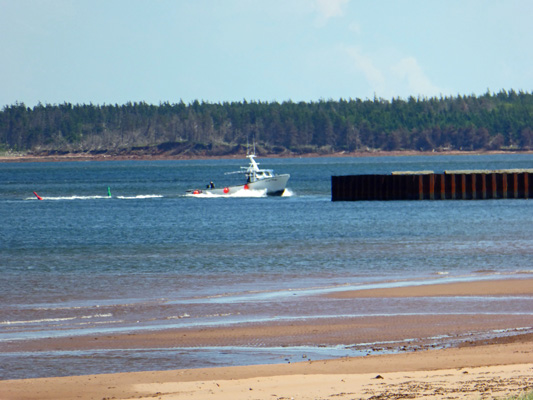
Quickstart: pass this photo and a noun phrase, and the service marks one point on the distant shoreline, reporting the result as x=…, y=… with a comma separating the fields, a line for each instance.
x=27, y=158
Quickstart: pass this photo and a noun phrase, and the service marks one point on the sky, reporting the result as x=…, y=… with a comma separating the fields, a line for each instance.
x=117, y=51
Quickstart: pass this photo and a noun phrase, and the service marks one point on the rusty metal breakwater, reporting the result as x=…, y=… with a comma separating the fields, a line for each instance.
x=426, y=185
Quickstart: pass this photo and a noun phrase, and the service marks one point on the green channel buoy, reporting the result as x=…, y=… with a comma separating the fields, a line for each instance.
x=108, y=191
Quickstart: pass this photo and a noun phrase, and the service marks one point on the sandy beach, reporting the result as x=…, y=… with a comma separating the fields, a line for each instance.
x=434, y=357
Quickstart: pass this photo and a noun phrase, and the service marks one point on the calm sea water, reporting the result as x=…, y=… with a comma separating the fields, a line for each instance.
x=151, y=257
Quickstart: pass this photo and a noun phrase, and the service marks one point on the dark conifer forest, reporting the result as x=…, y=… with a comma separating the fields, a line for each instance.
x=493, y=121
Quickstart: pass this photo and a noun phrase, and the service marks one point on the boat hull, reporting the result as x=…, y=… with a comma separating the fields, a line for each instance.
x=274, y=186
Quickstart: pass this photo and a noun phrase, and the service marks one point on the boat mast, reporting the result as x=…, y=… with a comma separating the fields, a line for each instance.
x=253, y=167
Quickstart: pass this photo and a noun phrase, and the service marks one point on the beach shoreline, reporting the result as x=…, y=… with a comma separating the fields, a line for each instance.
x=27, y=158
x=475, y=355
x=474, y=372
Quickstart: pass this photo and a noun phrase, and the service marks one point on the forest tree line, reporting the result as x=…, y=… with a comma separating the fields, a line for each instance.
x=493, y=121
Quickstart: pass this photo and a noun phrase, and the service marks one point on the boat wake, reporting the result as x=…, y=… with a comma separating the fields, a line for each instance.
x=238, y=194
x=75, y=197
x=287, y=193
x=69, y=198
x=140, y=196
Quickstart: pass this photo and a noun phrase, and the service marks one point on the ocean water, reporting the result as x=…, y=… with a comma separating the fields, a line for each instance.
x=152, y=257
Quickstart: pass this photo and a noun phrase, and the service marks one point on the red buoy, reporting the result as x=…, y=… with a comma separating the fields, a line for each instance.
x=226, y=190
x=36, y=195
x=246, y=187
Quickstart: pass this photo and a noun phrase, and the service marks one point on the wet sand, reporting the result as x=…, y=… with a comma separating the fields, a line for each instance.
x=441, y=356
x=494, y=287
x=370, y=334
x=478, y=372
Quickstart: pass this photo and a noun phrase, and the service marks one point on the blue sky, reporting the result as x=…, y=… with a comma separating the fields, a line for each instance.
x=115, y=51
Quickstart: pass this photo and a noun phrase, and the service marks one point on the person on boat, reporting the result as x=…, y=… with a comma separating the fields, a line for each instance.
x=211, y=185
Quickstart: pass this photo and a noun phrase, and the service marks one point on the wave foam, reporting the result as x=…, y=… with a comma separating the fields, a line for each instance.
x=287, y=193
x=140, y=196
x=37, y=321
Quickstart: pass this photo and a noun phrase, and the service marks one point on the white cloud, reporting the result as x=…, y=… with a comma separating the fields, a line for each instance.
x=387, y=73
x=408, y=73
x=365, y=65
x=355, y=27
x=328, y=9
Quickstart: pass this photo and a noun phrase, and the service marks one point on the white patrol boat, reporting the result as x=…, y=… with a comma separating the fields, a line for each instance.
x=256, y=179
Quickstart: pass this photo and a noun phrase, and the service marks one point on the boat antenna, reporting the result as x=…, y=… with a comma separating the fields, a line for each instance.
x=248, y=146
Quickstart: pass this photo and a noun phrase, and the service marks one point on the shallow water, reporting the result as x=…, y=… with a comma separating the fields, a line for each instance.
x=152, y=257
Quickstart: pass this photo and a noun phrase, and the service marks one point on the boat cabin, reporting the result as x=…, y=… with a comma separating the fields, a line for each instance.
x=260, y=174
